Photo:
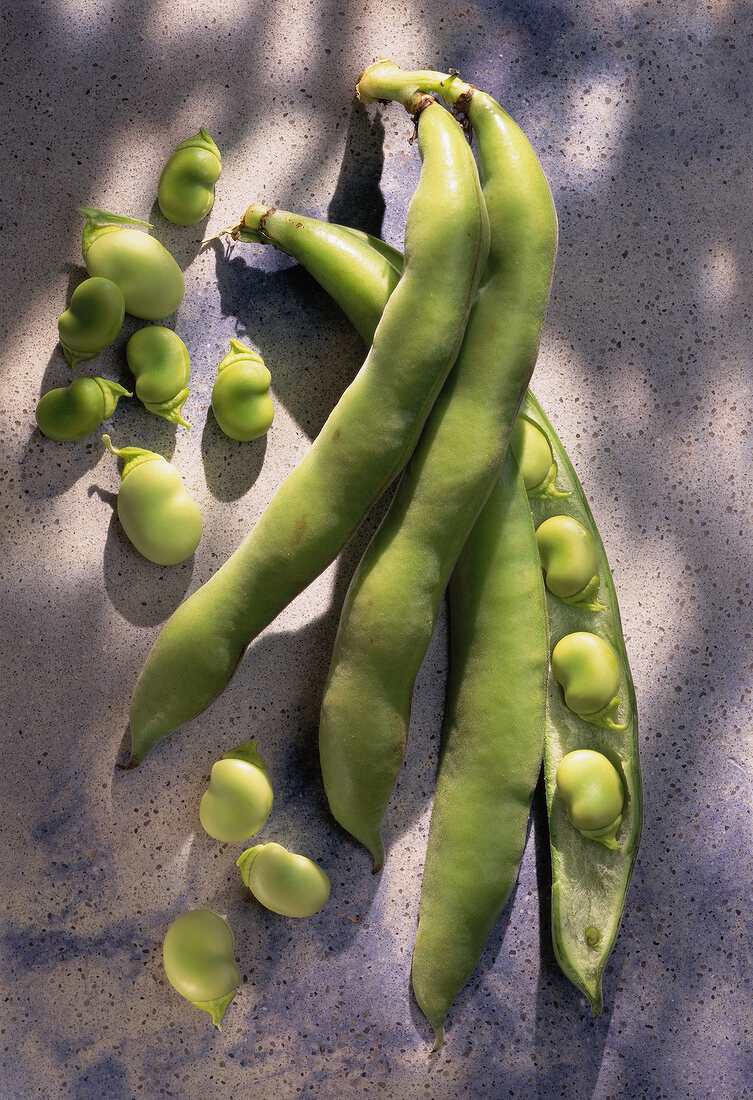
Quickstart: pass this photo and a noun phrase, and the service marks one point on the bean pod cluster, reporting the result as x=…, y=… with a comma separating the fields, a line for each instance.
x=488, y=509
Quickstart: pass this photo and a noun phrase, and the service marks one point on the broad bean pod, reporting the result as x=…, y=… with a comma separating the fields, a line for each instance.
x=494, y=725
x=392, y=604
x=240, y=396
x=150, y=279
x=355, y=456
x=75, y=411
x=199, y=962
x=161, y=365
x=157, y=514
x=93, y=319
x=186, y=186
x=491, y=746
x=589, y=881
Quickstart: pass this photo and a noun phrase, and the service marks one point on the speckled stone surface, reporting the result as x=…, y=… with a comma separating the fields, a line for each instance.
x=641, y=115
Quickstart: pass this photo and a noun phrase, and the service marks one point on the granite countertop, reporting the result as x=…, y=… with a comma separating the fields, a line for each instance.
x=640, y=113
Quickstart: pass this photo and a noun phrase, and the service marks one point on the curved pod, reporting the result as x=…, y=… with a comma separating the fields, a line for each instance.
x=589, y=881
x=393, y=600
x=582, y=947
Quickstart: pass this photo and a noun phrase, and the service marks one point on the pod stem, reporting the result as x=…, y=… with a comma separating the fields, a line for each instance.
x=384, y=81
x=133, y=456
x=248, y=232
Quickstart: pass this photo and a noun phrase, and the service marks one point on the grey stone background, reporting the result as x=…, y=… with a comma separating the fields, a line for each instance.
x=640, y=112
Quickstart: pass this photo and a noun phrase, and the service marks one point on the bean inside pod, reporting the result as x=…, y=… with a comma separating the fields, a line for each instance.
x=587, y=669
x=594, y=795
x=570, y=561
x=534, y=455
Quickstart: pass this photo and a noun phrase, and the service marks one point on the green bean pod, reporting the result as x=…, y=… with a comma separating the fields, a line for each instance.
x=75, y=411
x=591, y=941
x=491, y=749
x=186, y=186
x=355, y=456
x=393, y=601
x=584, y=948
x=159, y=517
x=92, y=321
x=161, y=365
x=150, y=279
x=589, y=879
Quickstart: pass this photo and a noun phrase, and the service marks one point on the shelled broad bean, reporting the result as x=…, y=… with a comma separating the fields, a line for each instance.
x=161, y=365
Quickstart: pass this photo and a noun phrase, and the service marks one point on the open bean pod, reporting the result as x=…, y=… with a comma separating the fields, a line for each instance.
x=591, y=687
